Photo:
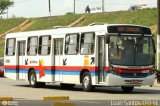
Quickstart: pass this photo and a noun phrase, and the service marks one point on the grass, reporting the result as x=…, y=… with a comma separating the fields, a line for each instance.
x=1, y=50
x=145, y=17
x=7, y=24
x=50, y=22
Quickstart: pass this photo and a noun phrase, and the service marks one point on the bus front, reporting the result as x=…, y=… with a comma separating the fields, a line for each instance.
x=131, y=56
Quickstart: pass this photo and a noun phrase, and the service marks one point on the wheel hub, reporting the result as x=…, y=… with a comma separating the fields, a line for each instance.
x=33, y=79
x=86, y=81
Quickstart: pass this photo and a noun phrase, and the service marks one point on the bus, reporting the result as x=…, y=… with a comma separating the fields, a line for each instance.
x=117, y=55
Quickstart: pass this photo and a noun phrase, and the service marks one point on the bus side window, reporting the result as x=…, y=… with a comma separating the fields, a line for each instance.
x=87, y=43
x=72, y=44
x=32, y=45
x=10, y=47
x=44, y=45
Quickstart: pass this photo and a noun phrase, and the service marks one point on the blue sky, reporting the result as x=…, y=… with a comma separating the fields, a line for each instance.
x=39, y=8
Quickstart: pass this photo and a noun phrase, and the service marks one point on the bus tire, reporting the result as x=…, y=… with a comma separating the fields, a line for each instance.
x=33, y=80
x=127, y=89
x=87, y=82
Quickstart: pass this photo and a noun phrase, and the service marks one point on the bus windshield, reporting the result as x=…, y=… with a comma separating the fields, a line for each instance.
x=131, y=50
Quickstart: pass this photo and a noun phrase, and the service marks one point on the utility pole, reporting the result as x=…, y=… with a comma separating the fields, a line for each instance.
x=102, y=5
x=49, y=5
x=74, y=10
x=158, y=35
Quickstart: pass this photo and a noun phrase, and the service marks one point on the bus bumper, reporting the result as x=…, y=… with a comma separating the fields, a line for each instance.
x=115, y=80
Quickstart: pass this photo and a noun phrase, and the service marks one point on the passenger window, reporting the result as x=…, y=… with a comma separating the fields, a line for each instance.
x=87, y=43
x=32, y=46
x=10, y=47
x=44, y=45
x=72, y=44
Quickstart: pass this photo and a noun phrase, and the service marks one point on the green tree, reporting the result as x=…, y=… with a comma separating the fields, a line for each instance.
x=4, y=4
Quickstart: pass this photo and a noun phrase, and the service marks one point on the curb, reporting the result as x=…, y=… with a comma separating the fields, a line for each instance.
x=6, y=99
x=56, y=98
x=63, y=104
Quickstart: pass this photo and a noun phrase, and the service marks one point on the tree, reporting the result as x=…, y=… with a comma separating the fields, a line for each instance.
x=4, y=4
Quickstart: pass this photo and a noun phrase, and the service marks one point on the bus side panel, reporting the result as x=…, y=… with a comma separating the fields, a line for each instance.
x=10, y=67
x=74, y=65
x=71, y=69
x=42, y=67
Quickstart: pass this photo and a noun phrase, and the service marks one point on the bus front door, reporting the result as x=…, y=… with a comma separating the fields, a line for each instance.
x=101, y=59
x=58, y=58
x=21, y=59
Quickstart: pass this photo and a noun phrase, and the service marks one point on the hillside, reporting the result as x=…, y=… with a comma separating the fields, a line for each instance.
x=145, y=17
x=50, y=22
x=7, y=24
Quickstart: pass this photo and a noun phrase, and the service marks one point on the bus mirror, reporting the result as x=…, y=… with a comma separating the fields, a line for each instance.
x=107, y=39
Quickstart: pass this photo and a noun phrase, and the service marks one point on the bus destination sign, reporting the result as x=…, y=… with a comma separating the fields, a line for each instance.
x=129, y=29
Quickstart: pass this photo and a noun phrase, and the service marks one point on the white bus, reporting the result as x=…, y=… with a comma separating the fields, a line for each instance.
x=96, y=55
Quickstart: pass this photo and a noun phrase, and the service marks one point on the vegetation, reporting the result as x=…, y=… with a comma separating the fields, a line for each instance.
x=7, y=24
x=145, y=17
x=4, y=4
x=1, y=49
x=50, y=22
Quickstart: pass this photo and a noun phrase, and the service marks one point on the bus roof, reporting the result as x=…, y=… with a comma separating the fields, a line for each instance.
x=65, y=30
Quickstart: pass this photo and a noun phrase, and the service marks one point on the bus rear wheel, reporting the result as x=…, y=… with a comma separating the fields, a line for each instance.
x=33, y=80
x=86, y=82
x=127, y=89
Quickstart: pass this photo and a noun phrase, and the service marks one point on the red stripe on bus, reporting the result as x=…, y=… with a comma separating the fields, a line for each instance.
x=74, y=68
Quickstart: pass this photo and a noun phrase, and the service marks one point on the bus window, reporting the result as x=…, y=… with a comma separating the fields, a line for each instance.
x=87, y=43
x=44, y=45
x=72, y=44
x=10, y=47
x=32, y=45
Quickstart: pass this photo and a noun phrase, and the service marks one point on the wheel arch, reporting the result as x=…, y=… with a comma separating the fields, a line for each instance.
x=82, y=72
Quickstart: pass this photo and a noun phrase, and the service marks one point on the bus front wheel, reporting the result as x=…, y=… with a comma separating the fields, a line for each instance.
x=33, y=80
x=127, y=89
x=86, y=82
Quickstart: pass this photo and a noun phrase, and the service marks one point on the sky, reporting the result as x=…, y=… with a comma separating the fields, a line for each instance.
x=39, y=8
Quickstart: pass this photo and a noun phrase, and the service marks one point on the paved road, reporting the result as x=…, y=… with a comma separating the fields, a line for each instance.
x=20, y=90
